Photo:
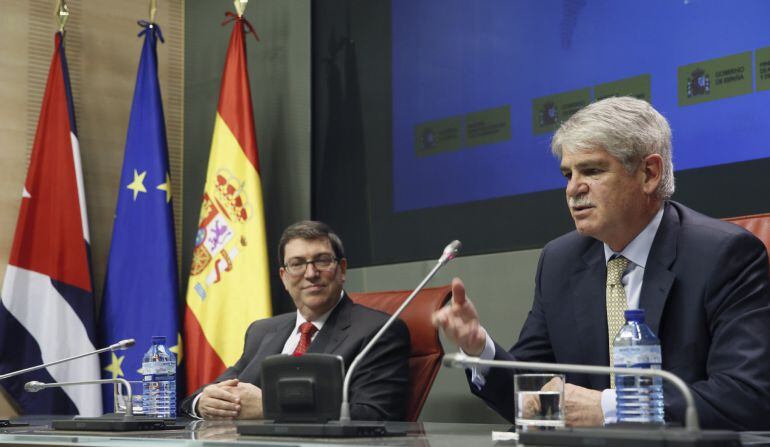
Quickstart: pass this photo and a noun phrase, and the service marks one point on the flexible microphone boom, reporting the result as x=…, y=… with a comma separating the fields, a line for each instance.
x=119, y=346
x=450, y=252
x=107, y=422
x=34, y=386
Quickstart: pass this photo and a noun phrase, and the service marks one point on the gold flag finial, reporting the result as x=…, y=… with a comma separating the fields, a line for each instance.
x=240, y=6
x=62, y=14
x=153, y=10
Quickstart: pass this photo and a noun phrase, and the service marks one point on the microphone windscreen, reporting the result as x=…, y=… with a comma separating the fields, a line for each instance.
x=451, y=250
x=123, y=344
x=33, y=386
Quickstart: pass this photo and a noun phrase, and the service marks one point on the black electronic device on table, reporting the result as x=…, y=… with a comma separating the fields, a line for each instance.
x=307, y=388
x=331, y=429
x=301, y=396
x=632, y=435
x=115, y=422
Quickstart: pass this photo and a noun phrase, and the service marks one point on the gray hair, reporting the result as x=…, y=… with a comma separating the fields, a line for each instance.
x=310, y=230
x=627, y=128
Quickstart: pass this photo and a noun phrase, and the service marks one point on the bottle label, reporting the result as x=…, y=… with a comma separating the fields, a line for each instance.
x=637, y=356
x=159, y=377
x=158, y=371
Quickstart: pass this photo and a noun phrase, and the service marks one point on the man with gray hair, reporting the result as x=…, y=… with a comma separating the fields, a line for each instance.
x=703, y=283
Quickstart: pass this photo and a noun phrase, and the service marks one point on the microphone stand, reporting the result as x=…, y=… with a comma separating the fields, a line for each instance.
x=450, y=252
x=109, y=421
x=119, y=346
x=35, y=386
x=621, y=436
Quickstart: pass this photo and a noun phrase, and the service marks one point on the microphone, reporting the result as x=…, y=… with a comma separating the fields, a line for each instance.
x=460, y=360
x=34, y=386
x=450, y=252
x=119, y=346
x=122, y=345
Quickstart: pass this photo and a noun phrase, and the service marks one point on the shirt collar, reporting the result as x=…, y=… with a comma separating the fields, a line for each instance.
x=318, y=322
x=638, y=249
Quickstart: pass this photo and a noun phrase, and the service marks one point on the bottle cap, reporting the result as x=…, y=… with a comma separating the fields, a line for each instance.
x=635, y=315
x=159, y=339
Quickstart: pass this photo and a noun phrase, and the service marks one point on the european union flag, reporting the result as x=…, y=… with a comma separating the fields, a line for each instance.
x=141, y=288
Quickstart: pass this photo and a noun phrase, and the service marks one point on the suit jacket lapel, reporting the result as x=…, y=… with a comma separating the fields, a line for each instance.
x=658, y=278
x=588, y=286
x=335, y=329
x=272, y=343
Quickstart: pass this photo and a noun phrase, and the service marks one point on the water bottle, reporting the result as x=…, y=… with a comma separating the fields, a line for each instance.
x=159, y=380
x=639, y=398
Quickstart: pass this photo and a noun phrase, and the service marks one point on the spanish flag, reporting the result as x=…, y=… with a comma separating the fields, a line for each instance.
x=229, y=283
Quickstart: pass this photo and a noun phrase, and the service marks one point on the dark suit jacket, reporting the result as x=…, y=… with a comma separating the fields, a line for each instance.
x=705, y=292
x=380, y=383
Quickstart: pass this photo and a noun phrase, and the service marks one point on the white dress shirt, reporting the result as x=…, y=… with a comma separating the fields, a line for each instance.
x=293, y=340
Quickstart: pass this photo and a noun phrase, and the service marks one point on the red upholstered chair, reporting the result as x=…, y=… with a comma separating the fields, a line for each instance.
x=758, y=224
x=425, y=359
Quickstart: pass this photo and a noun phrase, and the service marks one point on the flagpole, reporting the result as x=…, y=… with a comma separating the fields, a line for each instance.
x=62, y=14
x=240, y=6
x=153, y=10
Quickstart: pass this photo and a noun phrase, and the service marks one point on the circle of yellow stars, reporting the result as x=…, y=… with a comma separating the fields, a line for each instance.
x=137, y=185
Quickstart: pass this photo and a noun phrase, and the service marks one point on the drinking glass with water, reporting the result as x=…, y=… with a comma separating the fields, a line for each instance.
x=539, y=400
x=121, y=397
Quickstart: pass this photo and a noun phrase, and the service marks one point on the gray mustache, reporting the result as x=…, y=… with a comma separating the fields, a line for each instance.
x=580, y=201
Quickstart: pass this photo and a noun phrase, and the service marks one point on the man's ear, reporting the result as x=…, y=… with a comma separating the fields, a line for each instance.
x=652, y=171
x=343, y=264
x=282, y=273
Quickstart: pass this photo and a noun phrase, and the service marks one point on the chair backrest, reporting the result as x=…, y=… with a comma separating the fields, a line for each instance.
x=425, y=359
x=757, y=224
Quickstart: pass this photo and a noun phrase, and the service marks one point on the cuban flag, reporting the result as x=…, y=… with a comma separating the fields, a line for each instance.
x=47, y=310
x=141, y=289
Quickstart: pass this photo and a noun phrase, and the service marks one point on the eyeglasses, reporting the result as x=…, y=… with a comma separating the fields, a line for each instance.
x=323, y=263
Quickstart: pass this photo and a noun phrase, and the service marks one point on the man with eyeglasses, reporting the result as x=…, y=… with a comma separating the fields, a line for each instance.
x=313, y=267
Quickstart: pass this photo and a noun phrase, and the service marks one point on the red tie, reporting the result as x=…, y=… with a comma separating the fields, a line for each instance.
x=306, y=331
